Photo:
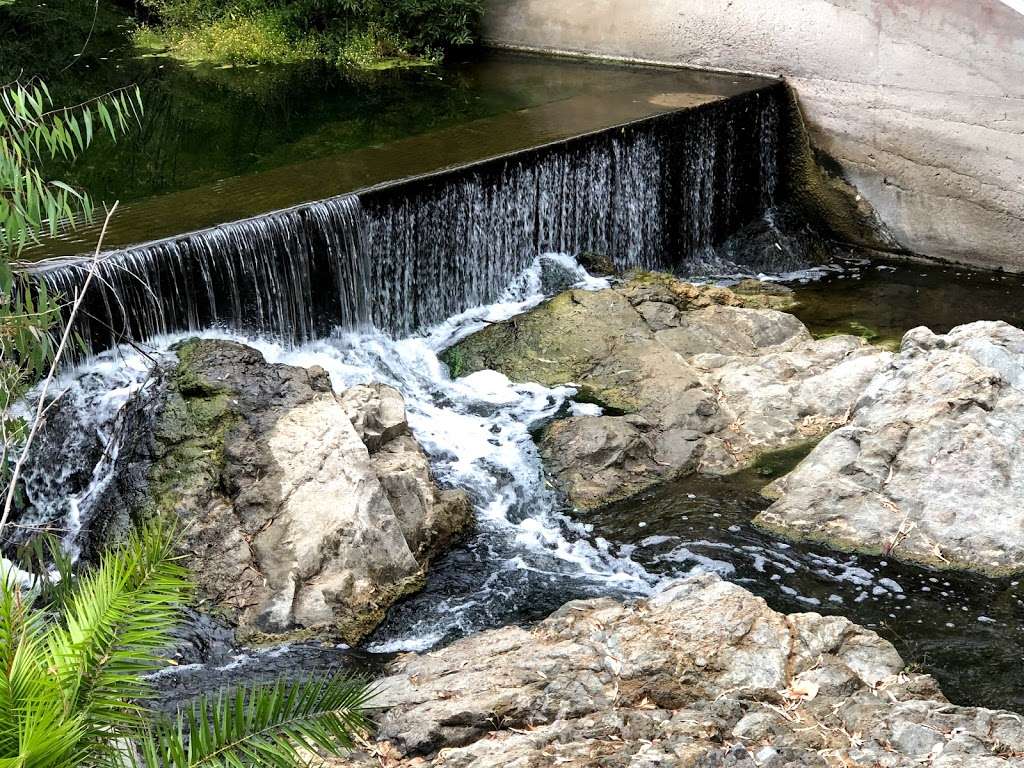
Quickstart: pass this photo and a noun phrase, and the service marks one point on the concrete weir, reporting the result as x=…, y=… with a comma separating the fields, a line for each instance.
x=657, y=173
x=921, y=102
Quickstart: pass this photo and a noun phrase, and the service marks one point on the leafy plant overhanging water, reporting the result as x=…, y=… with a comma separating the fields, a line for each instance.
x=74, y=655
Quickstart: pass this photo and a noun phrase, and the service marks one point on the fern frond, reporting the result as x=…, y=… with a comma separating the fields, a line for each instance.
x=262, y=725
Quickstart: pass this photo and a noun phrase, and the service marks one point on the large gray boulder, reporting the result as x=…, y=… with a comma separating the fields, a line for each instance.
x=703, y=674
x=303, y=513
x=930, y=468
x=689, y=380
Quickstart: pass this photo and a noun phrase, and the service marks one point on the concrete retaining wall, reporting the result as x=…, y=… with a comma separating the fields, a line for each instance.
x=921, y=101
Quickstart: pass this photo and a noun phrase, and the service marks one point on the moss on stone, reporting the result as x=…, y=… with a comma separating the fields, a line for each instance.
x=816, y=184
x=454, y=359
x=537, y=346
x=775, y=464
x=757, y=294
x=190, y=435
x=854, y=328
x=568, y=339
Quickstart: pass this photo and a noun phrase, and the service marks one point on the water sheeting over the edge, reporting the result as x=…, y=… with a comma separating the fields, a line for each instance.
x=660, y=193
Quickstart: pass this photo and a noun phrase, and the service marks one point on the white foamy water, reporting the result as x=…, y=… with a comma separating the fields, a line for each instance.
x=476, y=431
x=90, y=406
x=527, y=556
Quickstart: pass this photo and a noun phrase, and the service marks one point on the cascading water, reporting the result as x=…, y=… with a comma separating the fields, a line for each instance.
x=527, y=556
x=476, y=431
x=659, y=193
x=297, y=272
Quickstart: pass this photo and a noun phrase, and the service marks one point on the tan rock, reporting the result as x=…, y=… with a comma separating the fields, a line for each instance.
x=689, y=380
x=305, y=512
x=702, y=674
x=930, y=467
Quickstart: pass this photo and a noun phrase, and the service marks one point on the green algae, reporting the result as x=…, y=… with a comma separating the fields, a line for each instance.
x=817, y=185
x=191, y=433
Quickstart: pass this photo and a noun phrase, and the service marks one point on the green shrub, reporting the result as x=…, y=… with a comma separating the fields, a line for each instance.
x=258, y=39
x=363, y=33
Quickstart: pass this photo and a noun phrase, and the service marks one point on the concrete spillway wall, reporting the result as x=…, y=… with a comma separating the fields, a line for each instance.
x=920, y=101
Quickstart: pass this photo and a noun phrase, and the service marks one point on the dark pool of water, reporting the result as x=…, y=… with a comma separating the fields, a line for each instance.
x=882, y=300
x=218, y=144
x=968, y=632
x=205, y=123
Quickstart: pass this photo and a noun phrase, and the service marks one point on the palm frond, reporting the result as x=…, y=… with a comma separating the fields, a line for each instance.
x=261, y=725
x=35, y=728
x=116, y=620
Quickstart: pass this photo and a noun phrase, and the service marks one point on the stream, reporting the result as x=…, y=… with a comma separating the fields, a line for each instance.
x=528, y=556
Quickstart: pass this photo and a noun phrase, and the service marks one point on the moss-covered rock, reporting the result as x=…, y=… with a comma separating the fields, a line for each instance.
x=303, y=513
x=688, y=379
x=190, y=434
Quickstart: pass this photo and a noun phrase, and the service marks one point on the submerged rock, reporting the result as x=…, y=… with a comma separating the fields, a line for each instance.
x=688, y=380
x=302, y=511
x=702, y=674
x=930, y=468
x=764, y=295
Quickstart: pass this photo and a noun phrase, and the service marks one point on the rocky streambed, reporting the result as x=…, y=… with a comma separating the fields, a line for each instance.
x=702, y=674
x=595, y=445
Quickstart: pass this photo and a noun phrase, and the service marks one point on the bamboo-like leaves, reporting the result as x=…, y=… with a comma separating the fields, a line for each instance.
x=32, y=132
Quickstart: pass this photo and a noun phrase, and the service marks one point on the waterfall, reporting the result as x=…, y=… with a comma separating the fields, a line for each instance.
x=293, y=273
x=655, y=194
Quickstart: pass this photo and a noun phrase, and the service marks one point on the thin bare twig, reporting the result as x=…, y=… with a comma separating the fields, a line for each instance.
x=54, y=366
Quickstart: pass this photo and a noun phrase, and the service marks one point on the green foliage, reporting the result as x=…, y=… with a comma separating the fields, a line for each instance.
x=73, y=691
x=376, y=48
x=69, y=688
x=258, y=39
x=264, y=725
x=426, y=24
x=32, y=133
x=364, y=33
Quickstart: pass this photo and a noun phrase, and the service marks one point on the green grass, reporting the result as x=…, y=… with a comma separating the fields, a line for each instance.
x=271, y=37
x=246, y=40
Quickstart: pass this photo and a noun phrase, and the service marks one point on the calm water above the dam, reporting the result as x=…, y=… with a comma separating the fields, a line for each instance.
x=220, y=144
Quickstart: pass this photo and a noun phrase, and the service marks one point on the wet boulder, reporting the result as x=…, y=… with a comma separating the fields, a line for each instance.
x=688, y=379
x=701, y=674
x=304, y=512
x=930, y=467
